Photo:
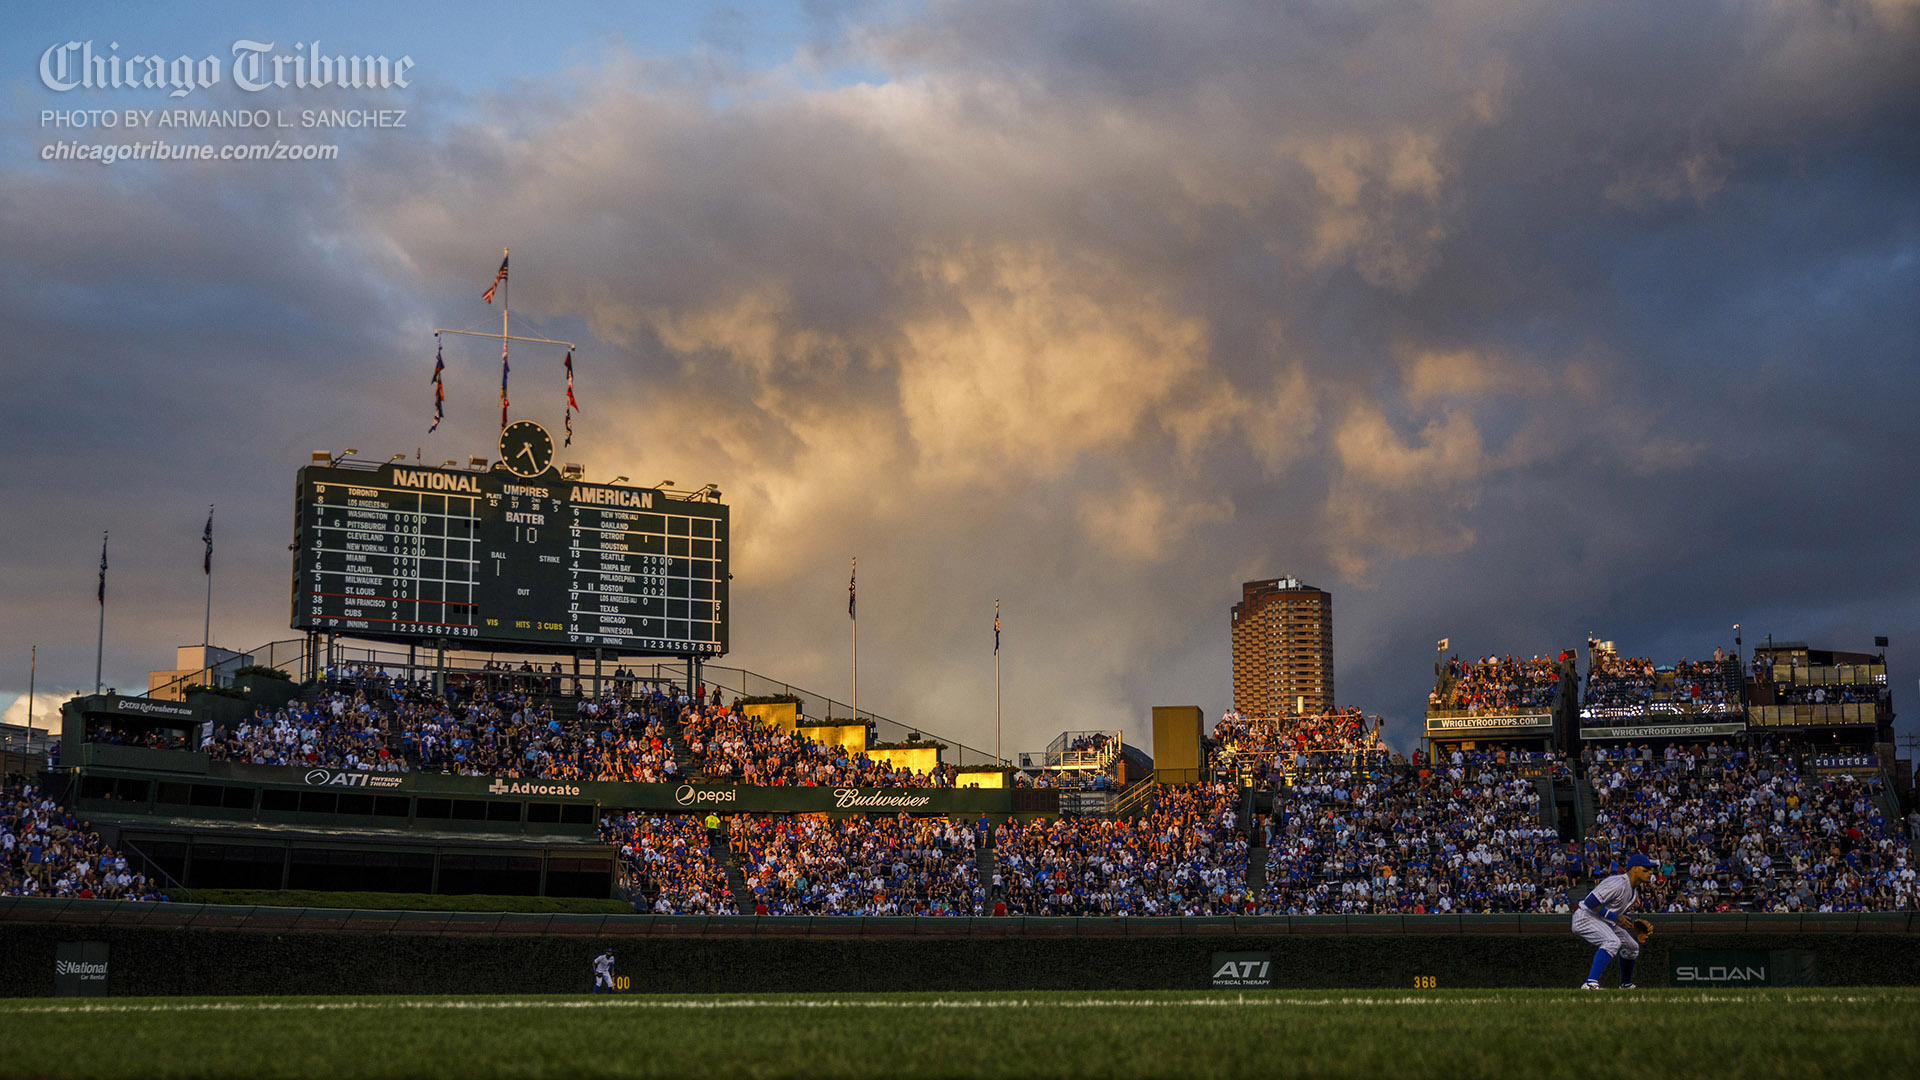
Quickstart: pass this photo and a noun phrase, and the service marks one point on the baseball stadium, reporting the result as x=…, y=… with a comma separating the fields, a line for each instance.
x=1216, y=539
x=333, y=854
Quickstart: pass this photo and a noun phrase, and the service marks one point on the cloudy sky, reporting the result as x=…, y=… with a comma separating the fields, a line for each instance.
x=1503, y=320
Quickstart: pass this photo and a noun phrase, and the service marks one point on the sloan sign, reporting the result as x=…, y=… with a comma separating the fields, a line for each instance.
x=1242, y=970
x=1743, y=967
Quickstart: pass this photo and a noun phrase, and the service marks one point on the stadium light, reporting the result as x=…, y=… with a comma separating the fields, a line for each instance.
x=449, y=463
x=398, y=457
x=572, y=471
x=323, y=457
x=619, y=480
x=477, y=464
x=664, y=484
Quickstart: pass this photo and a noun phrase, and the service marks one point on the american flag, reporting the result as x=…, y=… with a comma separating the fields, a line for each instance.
x=497, y=279
x=208, y=537
x=996, y=628
x=855, y=572
x=103, y=569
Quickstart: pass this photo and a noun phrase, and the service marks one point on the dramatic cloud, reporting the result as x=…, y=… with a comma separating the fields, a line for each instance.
x=1505, y=321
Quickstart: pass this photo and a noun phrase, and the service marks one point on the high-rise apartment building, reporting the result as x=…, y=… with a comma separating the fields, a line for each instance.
x=1282, y=648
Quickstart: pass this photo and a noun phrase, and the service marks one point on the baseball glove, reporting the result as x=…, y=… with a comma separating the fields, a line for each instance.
x=1641, y=929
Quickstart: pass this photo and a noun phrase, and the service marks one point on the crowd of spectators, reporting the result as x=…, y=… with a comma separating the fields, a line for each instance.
x=735, y=748
x=44, y=851
x=1623, y=687
x=1457, y=835
x=149, y=736
x=1184, y=856
x=337, y=729
x=1066, y=779
x=1618, y=682
x=809, y=864
x=1734, y=829
x=665, y=858
x=1265, y=750
x=1497, y=684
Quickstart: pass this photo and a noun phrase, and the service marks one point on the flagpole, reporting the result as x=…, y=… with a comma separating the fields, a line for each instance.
x=997, y=759
x=206, y=627
x=33, y=668
x=853, y=616
x=506, y=300
x=100, y=643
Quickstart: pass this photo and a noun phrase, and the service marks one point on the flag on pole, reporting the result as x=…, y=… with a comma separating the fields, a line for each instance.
x=1442, y=646
x=439, y=387
x=497, y=279
x=850, y=579
x=996, y=628
x=103, y=569
x=571, y=404
x=504, y=369
x=208, y=537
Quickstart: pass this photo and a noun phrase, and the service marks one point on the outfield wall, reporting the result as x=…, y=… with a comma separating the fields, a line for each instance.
x=193, y=949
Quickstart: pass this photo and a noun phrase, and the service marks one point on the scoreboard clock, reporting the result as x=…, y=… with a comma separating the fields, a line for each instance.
x=514, y=556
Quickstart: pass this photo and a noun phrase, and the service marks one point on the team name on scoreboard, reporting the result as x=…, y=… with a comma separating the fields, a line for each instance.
x=429, y=480
x=600, y=496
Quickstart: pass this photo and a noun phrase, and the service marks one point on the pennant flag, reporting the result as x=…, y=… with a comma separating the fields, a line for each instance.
x=571, y=404
x=504, y=369
x=850, y=578
x=439, y=387
x=1442, y=646
x=996, y=628
x=208, y=537
x=103, y=569
x=497, y=278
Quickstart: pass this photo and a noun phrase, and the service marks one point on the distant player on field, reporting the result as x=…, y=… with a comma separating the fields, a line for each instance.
x=603, y=971
x=1602, y=920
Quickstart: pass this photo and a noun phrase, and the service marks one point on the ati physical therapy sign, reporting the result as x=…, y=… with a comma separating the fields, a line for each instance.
x=1242, y=970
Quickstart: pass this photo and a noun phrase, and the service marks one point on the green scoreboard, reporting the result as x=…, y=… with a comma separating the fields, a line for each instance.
x=511, y=557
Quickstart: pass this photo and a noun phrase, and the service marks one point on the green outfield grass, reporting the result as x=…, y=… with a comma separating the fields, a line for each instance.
x=1646, y=1035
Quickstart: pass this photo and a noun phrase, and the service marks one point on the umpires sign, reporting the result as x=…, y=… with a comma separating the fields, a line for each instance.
x=80, y=969
x=1242, y=970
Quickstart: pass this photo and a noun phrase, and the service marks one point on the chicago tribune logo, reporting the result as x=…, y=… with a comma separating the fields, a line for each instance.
x=688, y=795
x=504, y=787
x=843, y=798
x=342, y=778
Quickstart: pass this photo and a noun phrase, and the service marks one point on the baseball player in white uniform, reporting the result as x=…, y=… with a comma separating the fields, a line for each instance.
x=603, y=971
x=1602, y=920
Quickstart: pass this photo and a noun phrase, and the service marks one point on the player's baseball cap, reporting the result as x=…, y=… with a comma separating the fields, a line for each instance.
x=1639, y=860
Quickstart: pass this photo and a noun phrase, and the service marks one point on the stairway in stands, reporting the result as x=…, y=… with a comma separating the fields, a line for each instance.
x=687, y=767
x=1584, y=786
x=722, y=853
x=985, y=864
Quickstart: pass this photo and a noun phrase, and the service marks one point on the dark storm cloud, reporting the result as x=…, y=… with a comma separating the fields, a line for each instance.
x=1505, y=321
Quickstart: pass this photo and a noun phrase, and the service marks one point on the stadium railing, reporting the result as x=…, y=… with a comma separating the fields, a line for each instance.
x=131, y=913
